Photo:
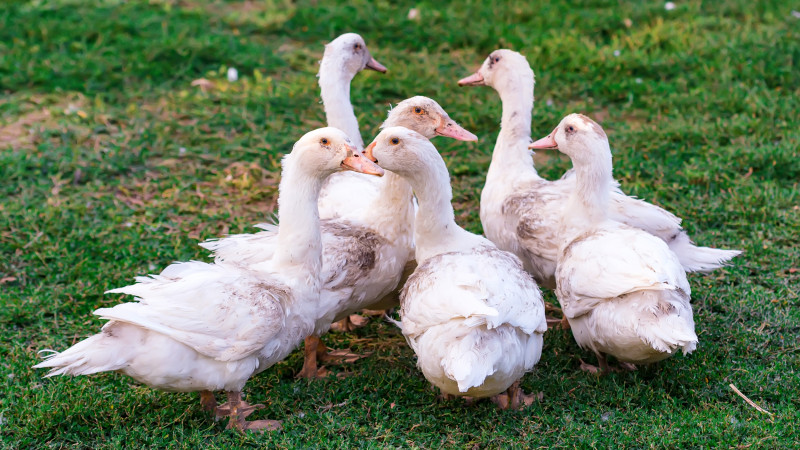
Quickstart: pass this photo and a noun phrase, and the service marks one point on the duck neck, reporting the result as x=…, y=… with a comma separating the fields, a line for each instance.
x=334, y=86
x=589, y=202
x=511, y=154
x=299, y=238
x=394, y=195
x=435, y=228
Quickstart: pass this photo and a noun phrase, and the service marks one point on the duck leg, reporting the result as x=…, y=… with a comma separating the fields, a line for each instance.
x=316, y=352
x=312, y=350
x=514, y=398
x=208, y=401
x=349, y=323
x=445, y=397
x=601, y=359
x=605, y=368
x=237, y=410
x=552, y=322
x=561, y=323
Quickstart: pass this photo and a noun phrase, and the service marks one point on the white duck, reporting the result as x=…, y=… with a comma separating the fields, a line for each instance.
x=518, y=206
x=344, y=58
x=363, y=259
x=622, y=289
x=207, y=327
x=472, y=315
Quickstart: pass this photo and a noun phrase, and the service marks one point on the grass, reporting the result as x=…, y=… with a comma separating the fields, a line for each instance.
x=113, y=165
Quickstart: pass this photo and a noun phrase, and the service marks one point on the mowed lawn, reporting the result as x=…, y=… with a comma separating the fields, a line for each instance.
x=113, y=165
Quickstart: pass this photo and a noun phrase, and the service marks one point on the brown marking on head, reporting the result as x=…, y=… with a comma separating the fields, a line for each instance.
x=594, y=126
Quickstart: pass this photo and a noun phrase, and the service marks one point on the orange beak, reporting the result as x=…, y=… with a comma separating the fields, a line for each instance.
x=373, y=64
x=476, y=79
x=547, y=142
x=368, y=152
x=359, y=162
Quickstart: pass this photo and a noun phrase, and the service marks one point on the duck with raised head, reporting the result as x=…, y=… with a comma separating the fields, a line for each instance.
x=623, y=290
x=518, y=206
x=470, y=312
x=363, y=259
x=209, y=327
x=343, y=59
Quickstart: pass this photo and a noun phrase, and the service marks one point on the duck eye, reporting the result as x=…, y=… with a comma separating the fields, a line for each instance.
x=395, y=141
x=496, y=59
x=357, y=47
x=570, y=129
x=418, y=110
x=323, y=141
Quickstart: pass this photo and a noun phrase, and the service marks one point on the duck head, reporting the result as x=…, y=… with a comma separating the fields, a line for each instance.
x=349, y=54
x=327, y=150
x=426, y=117
x=577, y=136
x=402, y=151
x=501, y=70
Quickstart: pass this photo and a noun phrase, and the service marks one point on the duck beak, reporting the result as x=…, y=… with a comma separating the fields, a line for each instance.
x=373, y=64
x=453, y=130
x=476, y=79
x=359, y=162
x=546, y=142
x=368, y=152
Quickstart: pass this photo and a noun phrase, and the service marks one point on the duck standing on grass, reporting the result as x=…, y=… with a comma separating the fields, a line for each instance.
x=362, y=260
x=208, y=327
x=622, y=289
x=518, y=206
x=472, y=315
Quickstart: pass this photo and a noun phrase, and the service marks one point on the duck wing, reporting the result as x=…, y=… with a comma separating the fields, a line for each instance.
x=220, y=312
x=612, y=261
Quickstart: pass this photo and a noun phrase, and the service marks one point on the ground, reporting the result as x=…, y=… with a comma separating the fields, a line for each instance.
x=114, y=165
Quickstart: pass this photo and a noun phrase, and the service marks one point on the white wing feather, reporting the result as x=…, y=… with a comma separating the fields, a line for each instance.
x=219, y=312
x=613, y=261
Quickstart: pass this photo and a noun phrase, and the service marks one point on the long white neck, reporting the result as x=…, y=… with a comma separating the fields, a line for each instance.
x=334, y=85
x=395, y=195
x=392, y=210
x=299, y=238
x=511, y=155
x=435, y=229
x=589, y=203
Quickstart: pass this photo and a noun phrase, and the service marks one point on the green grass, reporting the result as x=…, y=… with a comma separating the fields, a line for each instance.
x=701, y=107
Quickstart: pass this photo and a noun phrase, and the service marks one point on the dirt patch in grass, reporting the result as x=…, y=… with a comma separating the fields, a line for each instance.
x=20, y=132
x=70, y=115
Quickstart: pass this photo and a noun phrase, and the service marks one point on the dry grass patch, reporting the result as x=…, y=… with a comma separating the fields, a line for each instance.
x=39, y=114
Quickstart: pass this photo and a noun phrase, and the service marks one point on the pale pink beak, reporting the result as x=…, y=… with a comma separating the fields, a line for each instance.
x=546, y=142
x=453, y=130
x=476, y=79
x=359, y=162
x=373, y=64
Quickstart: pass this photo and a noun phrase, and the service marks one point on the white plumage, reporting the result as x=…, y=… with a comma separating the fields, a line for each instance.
x=364, y=253
x=207, y=327
x=474, y=319
x=518, y=206
x=622, y=289
x=473, y=316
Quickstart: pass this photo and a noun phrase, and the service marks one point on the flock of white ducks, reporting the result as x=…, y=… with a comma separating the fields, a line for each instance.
x=471, y=310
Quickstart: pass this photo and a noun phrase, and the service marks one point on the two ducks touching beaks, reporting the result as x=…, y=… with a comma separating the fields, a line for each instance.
x=471, y=310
